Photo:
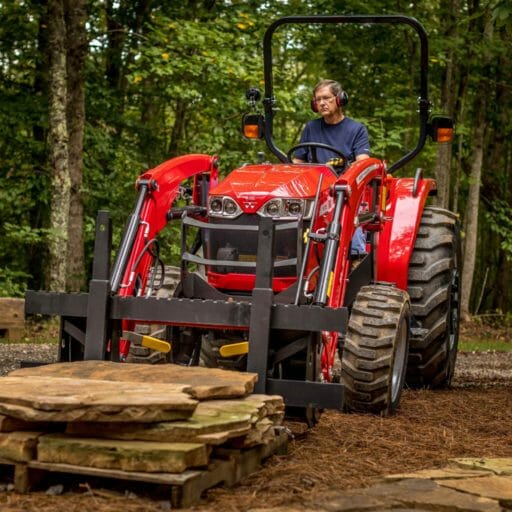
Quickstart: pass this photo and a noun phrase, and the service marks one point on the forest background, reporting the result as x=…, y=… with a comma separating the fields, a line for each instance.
x=94, y=92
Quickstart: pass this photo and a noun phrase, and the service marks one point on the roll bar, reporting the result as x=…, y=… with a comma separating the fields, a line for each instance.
x=423, y=102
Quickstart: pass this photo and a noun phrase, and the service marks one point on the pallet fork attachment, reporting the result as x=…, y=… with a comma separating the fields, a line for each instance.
x=91, y=322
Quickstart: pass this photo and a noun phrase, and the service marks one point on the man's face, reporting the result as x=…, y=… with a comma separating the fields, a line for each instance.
x=326, y=102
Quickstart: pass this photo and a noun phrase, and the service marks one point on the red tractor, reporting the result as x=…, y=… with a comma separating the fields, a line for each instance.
x=268, y=283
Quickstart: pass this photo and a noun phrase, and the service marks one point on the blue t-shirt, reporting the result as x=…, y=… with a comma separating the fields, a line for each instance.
x=349, y=136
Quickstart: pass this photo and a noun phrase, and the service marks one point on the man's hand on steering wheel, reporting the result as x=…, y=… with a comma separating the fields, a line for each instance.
x=313, y=146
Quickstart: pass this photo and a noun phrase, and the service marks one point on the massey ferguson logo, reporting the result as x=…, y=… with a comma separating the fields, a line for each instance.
x=249, y=205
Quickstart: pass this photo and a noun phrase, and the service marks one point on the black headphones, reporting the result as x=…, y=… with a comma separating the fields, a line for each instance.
x=341, y=101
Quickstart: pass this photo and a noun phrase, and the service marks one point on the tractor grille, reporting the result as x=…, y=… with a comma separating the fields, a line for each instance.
x=242, y=246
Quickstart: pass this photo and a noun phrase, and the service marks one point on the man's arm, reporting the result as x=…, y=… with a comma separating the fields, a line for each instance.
x=362, y=144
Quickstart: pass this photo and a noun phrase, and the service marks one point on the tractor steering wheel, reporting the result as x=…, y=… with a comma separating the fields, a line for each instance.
x=339, y=166
x=313, y=147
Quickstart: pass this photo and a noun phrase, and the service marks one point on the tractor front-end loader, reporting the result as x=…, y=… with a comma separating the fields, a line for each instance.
x=268, y=283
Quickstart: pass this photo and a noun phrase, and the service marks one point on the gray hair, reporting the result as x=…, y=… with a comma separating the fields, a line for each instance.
x=334, y=86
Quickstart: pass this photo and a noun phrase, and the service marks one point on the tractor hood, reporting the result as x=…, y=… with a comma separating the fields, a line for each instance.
x=252, y=186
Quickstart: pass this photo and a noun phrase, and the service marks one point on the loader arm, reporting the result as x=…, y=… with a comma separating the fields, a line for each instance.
x=138, y=253
x=158, y=188
x=362, y=182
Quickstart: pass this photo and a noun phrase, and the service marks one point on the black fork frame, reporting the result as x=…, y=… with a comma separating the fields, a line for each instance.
x=91, y=322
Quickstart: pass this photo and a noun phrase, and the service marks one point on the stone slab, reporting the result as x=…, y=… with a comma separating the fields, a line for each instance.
x=66, y=399
x=499, y=466
x=411, y=494
x=439, y=474
x=202, y=383
x=18, y=446
x=124, y=455
x=213, y=422
x=496, y=487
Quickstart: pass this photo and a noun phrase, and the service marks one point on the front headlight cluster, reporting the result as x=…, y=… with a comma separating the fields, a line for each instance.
x=226, y=207
x=287, y=208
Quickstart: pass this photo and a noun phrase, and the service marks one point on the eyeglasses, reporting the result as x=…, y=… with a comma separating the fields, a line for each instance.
x=327, y=99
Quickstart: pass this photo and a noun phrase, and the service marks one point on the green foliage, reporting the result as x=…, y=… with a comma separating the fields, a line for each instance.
x=484, y=345
x=169, y=78
x=12, y=282
x=499, y=221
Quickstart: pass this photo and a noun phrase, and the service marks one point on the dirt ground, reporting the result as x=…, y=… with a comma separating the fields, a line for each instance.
x=344, y=451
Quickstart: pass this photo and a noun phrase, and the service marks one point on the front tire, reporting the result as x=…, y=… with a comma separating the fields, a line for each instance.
x=210, y=352
x=374, y=357
x=434, y=288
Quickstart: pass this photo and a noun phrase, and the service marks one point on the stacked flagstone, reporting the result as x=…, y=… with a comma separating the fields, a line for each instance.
x=130, y=417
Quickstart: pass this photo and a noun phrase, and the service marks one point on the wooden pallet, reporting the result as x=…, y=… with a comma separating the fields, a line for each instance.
x=12, y=318
x=227, y=466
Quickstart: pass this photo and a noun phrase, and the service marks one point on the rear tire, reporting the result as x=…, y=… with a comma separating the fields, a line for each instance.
x=374, y=358
x=434, y=289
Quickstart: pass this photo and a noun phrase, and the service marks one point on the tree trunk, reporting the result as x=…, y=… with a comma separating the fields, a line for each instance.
x=76, y=53
x=472, y=205
x=451, y=10
x=473, y=200
x=58, y=147
x=178, y=127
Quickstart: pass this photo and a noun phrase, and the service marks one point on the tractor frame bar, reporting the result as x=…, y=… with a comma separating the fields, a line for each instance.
x=93, y=319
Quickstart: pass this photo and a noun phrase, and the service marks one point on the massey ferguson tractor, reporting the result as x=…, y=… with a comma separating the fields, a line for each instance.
x=267, y=281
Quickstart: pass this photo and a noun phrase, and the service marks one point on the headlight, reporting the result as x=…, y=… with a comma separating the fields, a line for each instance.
x=273, y=208
x=216, y=205
x=295, y=207
x=223, y=207
x=287, y=208
x=230, y=207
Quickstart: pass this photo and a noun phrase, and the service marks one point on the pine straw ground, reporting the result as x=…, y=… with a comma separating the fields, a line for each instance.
x=474, y=419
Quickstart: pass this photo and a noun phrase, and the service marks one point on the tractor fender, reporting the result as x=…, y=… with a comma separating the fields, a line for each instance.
x=404, y=209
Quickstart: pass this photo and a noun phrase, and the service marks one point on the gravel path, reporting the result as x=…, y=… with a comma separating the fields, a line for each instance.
x=12, y=353
x=484, y=369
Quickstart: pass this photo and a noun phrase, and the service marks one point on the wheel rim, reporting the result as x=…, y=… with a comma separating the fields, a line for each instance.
x=454, y=311
x=399, y=362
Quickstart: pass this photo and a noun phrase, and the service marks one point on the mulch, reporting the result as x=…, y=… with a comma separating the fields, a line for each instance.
x=344, y=451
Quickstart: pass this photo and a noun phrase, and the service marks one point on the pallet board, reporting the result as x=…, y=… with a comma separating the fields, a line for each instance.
x=10, y=424
x=12, y=318
x=204, y=383
x=228, y=466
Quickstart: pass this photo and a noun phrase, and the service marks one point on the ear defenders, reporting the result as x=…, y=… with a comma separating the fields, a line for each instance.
x=341, y=101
